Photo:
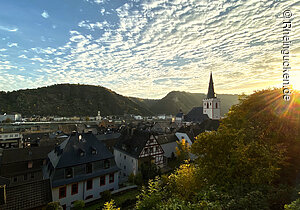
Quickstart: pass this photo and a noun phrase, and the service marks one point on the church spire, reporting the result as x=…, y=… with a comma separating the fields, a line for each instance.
x=211, y=91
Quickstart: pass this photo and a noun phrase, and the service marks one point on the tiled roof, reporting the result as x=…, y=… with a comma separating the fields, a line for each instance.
x=133, y=145
x=167, y=138
x=68, y=153
x=25, y=154
x=196, y=115
x=27, y=196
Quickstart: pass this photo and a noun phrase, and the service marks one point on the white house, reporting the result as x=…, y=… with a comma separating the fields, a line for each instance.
x=132, y=151
x=80, y=168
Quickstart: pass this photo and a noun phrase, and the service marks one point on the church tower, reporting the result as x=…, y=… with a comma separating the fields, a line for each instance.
x=211, y=104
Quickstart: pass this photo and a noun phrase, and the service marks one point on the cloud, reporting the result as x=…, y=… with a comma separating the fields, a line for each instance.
x=14, y=29
x=12, y=44
x=45, y=14
x=156, y=46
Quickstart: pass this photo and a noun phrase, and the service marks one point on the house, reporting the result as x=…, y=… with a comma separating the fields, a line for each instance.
x=131, y=151
x=179, y=117
x=11, y=117
x=80, y=168
x=25, y=187
x=32, y=195
x=23, y=165
x=196, y=115
x=10, y=140
x=168, y=144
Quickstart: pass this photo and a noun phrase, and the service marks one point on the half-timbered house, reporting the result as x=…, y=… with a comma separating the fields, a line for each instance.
x=134, y=150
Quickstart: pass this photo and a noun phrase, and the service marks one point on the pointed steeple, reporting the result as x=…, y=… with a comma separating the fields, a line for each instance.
x=211, y=91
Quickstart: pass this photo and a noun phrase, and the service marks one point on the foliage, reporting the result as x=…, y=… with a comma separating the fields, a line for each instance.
x=150, y=197
x=53, y=206
x=182, y=150
x=110, y=206
x=251, y=162
x=136, y=179
x=79, y=205
x=85, y=100
x=106, y=195
x=295, y=205
x=184, y=181
x=68, y=100
x=149, y=170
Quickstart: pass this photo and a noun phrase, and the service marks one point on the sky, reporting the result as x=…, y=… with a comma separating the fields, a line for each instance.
x=147, y=48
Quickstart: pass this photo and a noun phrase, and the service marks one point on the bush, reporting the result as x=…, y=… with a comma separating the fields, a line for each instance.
x=53, y=206
x=79, y=205
x=106, y=195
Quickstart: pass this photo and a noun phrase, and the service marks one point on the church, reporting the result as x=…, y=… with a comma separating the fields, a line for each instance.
x=211, y=108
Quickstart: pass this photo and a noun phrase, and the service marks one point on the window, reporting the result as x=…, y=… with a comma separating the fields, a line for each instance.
x=102, y=180
x=89, y=184
x=30, y=163
x=146, y=150
x=74, y=189
x=111, y=178
x=94, y=151
x=124, y=157
x=68, y=173
x=88, y=168
x=62, y=192
x=15, y=179
x=25, y=177
x=124, y=167
x=216, y=105
x=106, y=164
x=32, y=175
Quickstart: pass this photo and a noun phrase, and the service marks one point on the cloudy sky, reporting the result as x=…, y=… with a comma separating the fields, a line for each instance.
x=146, y=48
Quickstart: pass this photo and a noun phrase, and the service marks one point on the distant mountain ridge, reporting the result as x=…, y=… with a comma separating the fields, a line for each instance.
x=86, y=100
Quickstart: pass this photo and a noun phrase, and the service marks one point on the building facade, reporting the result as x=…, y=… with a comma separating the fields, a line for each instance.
x=139, y=148
x=80, y=168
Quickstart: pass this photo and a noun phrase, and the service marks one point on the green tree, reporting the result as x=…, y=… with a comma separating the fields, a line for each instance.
x=183, y=151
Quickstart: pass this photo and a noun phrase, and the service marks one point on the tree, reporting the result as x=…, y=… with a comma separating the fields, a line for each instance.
x=182, y=150
x=110, y=206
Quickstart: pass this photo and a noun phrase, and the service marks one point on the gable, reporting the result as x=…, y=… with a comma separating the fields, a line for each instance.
x=151, y=148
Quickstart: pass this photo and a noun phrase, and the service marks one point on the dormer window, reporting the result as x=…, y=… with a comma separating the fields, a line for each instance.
x=81, y=152
x=68, y=173
x=94, y=151
x=88, y=168
x=30, y=163
x=106, y=164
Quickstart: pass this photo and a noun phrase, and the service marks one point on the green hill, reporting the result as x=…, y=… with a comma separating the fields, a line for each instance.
x=68, y=100
x=176, y=100
x=86, y=100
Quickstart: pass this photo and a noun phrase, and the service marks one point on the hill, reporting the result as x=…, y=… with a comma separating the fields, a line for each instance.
x=86, y=100
x=176, y=100
x=68, y=100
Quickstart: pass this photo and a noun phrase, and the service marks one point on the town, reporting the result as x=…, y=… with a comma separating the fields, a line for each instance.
x=46, y=159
